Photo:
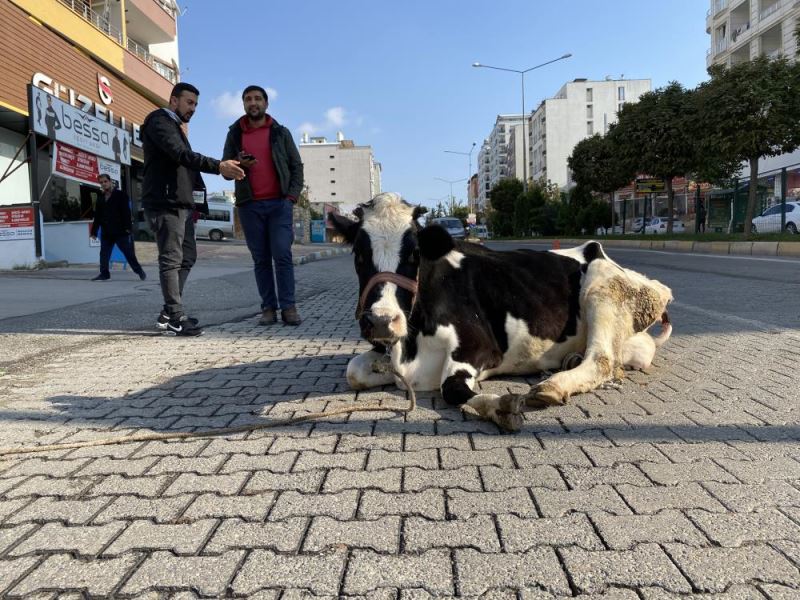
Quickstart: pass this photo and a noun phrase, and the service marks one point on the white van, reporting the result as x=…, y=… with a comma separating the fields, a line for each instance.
x=218, y=223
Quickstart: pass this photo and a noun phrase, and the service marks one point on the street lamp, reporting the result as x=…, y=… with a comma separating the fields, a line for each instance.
x=469, y=169
x=524, y=139
x=451, y=182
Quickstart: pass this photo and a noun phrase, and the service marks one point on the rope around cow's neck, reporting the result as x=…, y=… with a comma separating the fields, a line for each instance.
x=180, y=435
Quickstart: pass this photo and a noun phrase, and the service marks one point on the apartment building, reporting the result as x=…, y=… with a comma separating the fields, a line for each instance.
x=80, y=76
x=744, y=29
x=339, y=172
x=580, y=109
x=493, y=158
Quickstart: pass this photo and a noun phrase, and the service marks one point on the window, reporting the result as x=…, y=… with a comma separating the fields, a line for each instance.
x=333, y=181
x=619, y=106
x=333, y=193
x=589, y=128
x=621, y=93
x=589, y=111
x=333, y=168
x=332, y=156
x=589, y=95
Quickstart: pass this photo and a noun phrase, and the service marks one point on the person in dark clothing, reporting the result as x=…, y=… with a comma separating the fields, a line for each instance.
x=701, y=217
x=171, y=174
x=51, y=119
x=265, y=200
x=112, y=218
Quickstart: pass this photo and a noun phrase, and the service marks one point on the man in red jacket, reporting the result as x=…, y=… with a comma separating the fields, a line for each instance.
x=265, y=200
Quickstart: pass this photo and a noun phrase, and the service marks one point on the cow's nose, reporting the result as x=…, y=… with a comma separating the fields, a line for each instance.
x=380, y=327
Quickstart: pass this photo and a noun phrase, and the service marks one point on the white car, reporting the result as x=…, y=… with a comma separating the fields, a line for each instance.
x=770, y=220
x=659, y=225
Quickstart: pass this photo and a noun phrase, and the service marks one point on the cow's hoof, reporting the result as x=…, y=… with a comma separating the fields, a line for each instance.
x=503, y=411
x=545, y=394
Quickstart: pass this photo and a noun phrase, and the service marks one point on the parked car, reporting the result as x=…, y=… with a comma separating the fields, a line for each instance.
x=638, y=225
x=770, y=220
x=659, y=225
x=452, y=225
x=480, y=231
x=218, y=223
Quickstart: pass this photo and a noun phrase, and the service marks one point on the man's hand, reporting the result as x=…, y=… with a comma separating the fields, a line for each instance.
x=93, y=238
x=231, y=169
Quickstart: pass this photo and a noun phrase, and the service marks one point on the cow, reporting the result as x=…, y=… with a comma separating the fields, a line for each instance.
x=447, y=314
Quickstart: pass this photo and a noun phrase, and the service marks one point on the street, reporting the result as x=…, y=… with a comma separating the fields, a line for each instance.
x=681, y=482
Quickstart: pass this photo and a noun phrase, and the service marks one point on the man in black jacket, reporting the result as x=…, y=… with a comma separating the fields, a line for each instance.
x=112, y=217
x=171, y=174
x=265, y=200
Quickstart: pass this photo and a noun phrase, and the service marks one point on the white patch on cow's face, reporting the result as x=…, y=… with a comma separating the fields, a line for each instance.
x=386, y=222
x=454, y=257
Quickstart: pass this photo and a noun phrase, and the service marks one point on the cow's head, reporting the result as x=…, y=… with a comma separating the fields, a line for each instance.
x=384, y=240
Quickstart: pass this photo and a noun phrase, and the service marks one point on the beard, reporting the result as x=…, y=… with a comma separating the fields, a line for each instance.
x=256, y=113
x=185, y=117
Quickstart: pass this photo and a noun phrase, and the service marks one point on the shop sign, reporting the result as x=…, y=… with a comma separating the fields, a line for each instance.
x=81, y=166
x=85, y=104
x=649, y=186
x=16, y=223
x=59, y=121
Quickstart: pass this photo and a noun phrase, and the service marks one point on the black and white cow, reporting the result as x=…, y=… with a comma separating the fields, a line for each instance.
x=453, y=313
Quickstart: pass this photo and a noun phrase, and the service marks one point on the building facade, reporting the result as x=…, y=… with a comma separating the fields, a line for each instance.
x=741, y=31
x=493, y=158
x=79, y=77
x=580, y=109
x=338, y=172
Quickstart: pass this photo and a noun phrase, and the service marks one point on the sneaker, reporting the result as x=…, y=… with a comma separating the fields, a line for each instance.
x=268, y=317
x=290, y=316
x=163, y=319
x=183, y=327
x=101, y=278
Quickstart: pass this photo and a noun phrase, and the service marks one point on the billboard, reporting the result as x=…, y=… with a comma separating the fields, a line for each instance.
x=60, y=121
x=16, y=223
x=80, y=166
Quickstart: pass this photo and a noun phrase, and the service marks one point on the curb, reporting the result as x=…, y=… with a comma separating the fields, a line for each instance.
x=788, y=249
x=327, y=253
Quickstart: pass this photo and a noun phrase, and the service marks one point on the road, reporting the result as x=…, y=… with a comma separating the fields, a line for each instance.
x=681, y=482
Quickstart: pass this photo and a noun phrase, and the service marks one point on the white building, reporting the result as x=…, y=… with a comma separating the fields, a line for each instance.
x=580, y=109
x=741, y=31
x=493, y=161
x=339, y=172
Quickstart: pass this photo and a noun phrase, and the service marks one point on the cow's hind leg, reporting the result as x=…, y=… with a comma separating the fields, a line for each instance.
x=458, y=389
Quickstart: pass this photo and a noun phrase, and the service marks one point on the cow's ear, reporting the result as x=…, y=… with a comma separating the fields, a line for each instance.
x=347, y=227
x=419, y=211
x=434, y=242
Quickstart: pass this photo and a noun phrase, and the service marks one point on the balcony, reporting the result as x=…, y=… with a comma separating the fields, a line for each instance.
x=159, y=67
x=98, y=21
x=719, y=5
x=769, y=10
x=739, y=31
x=721, y=46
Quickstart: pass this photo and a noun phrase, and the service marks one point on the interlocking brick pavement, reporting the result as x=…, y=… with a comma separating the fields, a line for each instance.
x=683, y=483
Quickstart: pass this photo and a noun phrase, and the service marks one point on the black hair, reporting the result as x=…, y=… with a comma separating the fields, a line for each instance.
x=255, y=88
x=106, y=175
x=183, y=87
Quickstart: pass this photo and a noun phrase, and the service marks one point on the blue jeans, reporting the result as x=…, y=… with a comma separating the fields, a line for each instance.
x=125, y=244
x=267, y=226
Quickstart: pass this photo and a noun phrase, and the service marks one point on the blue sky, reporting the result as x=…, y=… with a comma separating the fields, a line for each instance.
x=398, y=76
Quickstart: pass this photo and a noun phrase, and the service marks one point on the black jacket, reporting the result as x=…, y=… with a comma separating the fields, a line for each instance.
x=285, y=157
x=113, y=215
x=171, y=168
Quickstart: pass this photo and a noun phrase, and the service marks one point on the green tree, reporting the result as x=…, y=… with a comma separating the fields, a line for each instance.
x=503, y=198
x=567, y=216
x=749, y=111
x=654, y=136
x=596, y=164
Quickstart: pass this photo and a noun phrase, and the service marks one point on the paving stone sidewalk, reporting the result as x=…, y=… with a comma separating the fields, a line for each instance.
x=682, y=483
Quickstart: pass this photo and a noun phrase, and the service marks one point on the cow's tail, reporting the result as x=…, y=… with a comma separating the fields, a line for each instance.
x=666, y=330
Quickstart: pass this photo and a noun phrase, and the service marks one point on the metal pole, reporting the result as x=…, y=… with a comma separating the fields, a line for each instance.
x=524, y=141
x=783, y=199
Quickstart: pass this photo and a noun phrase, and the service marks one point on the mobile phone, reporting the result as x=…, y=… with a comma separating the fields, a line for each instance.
x=246, y=156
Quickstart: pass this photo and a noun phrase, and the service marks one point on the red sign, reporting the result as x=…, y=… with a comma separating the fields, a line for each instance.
x=82, y=166
x=16, y=223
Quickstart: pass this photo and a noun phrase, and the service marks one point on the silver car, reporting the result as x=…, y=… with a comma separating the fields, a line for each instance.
x=217, y=224
x=452, y=225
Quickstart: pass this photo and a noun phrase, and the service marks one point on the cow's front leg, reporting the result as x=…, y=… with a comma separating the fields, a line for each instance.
x=367, y=370
x=458, y=388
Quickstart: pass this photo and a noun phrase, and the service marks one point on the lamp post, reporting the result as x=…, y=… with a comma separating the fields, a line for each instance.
x=469, y=169
x=451, y=182
x=524, y=139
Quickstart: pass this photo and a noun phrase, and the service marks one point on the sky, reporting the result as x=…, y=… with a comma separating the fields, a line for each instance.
x=398, y=76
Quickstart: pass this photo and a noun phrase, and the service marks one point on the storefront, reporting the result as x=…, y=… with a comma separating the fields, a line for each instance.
x=64, y=118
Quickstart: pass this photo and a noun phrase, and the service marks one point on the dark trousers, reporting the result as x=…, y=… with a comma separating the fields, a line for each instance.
x=177, y=253
x=267, y=226
x=125, y=244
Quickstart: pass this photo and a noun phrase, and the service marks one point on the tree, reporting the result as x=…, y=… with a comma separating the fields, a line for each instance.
x=596, y=164
x=568, y=211
x=749, y=111
x=503, y=198
x=654, y=136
